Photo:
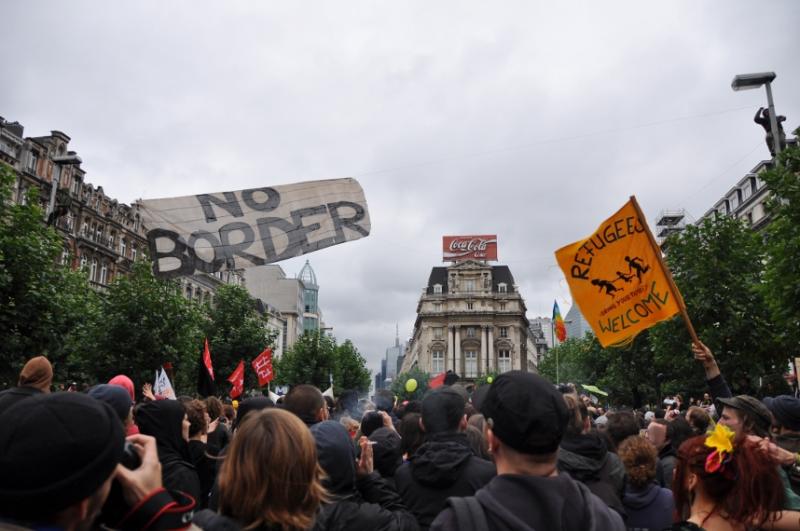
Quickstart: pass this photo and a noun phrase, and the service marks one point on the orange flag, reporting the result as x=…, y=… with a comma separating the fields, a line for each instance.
x=617, y=278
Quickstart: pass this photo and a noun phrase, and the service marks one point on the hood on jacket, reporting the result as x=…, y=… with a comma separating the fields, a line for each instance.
x=528, y=503
x=583, y=456
x=337, y=456
x=439, y=461
x=163, y=419
x=639, y=499
x=126, y=383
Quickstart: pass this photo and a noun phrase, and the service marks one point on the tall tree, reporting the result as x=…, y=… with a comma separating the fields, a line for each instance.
x=235, y=331
x=40, y=301
x=717, y=266
x=782, y=272
x=142, y=323
x=311, y=360
x=351, y=371
x=315, y=357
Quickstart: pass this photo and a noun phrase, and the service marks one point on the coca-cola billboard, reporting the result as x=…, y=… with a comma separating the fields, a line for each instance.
x=455, y=248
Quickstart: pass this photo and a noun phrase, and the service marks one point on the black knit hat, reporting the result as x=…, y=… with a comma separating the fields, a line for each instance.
x=55, y=450
x=526, y=412
x=115, y=396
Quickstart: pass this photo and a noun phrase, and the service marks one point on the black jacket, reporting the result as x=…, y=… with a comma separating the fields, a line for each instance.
x=208, y=520
x=666, y=466
x=358, y=503
x=442, y=467
x=586, y=459
x=163, y=419
x=9, y=397
x=527, y=503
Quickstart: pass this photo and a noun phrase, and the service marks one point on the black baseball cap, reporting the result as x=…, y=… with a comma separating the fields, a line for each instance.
x=526, y=412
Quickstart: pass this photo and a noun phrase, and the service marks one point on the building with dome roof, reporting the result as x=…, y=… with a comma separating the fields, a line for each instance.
x=312, y=316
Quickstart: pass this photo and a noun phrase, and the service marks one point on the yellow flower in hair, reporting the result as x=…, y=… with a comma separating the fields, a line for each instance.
x=721, y=440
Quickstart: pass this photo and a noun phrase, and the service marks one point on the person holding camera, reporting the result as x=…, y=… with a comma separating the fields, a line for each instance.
x=61, y=453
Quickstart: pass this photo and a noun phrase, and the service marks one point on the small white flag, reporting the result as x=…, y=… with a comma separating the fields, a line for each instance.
x=163, y=387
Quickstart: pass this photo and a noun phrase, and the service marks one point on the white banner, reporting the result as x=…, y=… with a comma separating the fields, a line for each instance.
x=163, y=387
x=246, y=228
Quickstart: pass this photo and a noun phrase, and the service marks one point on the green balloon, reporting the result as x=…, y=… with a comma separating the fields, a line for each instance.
x=489, y=379
x=411, y=385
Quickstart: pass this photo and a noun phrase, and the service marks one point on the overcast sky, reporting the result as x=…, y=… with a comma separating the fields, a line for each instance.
x=531, y=120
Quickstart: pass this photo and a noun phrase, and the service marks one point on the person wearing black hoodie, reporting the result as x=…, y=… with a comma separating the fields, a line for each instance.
x=361, y=499
x=444, y=465
x=166, y=420
x=526, y=418
x=585, y=456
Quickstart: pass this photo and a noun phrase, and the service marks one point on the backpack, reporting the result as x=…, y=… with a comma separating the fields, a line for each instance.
x=469, y=513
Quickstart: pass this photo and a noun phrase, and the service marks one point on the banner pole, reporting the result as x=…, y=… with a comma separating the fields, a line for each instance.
x=675, y=292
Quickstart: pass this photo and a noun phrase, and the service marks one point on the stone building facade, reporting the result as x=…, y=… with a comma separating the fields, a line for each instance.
x=101, y=235
x=471, y=320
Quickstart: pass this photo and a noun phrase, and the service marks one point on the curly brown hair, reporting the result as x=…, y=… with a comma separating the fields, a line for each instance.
x=639, y=457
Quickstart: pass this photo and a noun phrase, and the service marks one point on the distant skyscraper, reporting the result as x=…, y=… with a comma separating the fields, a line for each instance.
x=577, y=325
x=393, y=353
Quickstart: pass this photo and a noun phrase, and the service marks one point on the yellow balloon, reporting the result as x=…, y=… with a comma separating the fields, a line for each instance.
x=235, y=404
x=411, y=385
x=489, y=379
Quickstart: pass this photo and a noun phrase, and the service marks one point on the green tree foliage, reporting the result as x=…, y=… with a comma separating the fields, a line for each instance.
x=350, y=370
x=311, y=360
x=782, y=271
x=315, y=356
x=717, y=266
x=235, y=331
x=40, y=301
x=399, y=385
x=140, y=324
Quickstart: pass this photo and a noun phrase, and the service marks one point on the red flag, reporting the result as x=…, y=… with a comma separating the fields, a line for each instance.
x=263, y=367
x=207, y=360
x=237, y=380
x=437, y=381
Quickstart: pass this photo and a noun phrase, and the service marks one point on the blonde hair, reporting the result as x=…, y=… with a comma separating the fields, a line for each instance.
x=271, y=476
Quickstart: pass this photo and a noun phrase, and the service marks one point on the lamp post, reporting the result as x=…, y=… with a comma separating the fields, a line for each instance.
x=64, y=160
x=753, y=81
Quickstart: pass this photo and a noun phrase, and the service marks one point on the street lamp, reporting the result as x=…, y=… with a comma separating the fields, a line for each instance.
x=753, y=81
x=70, y=159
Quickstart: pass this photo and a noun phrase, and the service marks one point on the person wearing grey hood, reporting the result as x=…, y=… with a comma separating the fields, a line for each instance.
x=361, y=499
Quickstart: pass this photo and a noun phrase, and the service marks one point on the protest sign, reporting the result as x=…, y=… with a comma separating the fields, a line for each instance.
x=618, y=279
x=257, y=226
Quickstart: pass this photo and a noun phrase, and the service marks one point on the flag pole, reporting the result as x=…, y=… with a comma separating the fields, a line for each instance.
x=553, y=340
x=675, y=292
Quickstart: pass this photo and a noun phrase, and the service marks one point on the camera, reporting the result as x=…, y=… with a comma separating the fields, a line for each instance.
x=130, y=457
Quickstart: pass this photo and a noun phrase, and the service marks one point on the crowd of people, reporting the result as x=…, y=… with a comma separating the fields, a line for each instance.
x=517, y=454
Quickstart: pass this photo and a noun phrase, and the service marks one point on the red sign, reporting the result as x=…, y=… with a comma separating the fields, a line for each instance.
x=263, y=367
x=237, y=380
x=455, y=248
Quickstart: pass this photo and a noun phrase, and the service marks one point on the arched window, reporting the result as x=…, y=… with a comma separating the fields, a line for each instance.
x=93, y=270
x=104, y=274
